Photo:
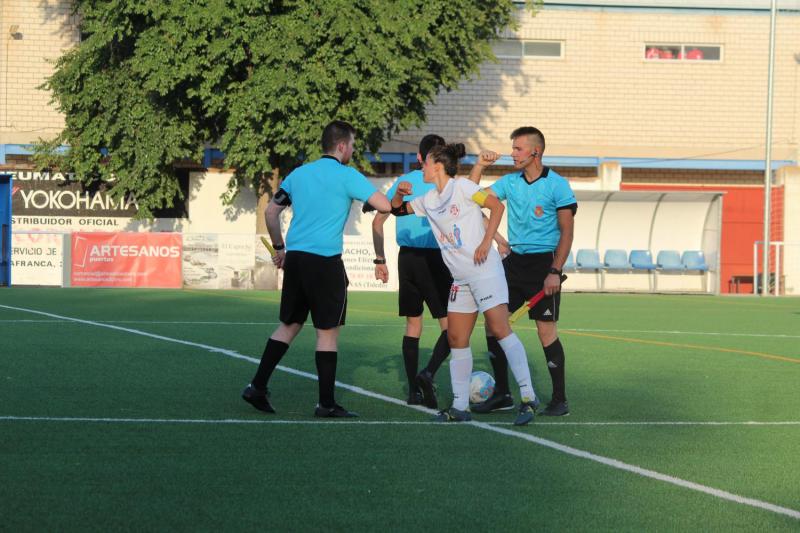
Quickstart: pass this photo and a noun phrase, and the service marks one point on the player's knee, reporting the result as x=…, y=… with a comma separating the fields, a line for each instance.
x=456, y=340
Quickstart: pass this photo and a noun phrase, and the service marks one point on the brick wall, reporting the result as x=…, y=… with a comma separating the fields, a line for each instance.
x=45, y=29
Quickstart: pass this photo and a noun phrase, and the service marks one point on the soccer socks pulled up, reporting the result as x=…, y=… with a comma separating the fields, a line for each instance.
x=460, y=372
x=518, y=361
x=499, y=365
x=411, y=360
x=555, y=364
x=326, y=372
x=273, y=353
x=440, y=352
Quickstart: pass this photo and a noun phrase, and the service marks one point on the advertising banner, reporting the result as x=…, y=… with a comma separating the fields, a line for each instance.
x=126, y=260
x=37, y=259
x=219, y=261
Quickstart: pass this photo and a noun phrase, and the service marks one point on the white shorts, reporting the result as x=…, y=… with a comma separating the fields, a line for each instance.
x=479, y=295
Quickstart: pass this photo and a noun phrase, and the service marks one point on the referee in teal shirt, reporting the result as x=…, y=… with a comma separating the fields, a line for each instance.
x=541, y=220
x=423, y=278
x=314, y=279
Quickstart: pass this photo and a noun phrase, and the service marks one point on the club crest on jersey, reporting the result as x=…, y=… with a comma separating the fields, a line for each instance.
x=454, y=210
x=539, y=211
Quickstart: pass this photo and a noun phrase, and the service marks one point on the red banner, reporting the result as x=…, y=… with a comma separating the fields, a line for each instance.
x=126, y=260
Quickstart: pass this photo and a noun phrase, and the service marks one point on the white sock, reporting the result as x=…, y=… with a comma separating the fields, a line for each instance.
x=460, y=372
x=518, y=362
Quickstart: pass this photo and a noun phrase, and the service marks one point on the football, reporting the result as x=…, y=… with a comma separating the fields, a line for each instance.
x=481, y=386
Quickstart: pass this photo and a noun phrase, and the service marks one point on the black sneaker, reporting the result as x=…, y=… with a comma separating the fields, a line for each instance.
x=257, y=398
x=496, y=402
x=415, y=398
x=428, y=388
x=556, y=409
x=452, y=415
x=527, y=411
x=337, y=411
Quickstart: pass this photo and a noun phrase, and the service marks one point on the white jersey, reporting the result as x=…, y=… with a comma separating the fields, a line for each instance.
x=457, y=224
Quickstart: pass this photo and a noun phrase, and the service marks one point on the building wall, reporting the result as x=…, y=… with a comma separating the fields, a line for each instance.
x=604, y=99
x=45, y=29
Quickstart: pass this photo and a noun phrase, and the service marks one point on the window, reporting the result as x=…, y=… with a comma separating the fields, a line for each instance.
x=515, y=48
x=682, y=52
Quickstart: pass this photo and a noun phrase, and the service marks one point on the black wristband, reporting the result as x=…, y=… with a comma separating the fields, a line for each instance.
x=379, y=261
x=278, y=247
x=554, y=270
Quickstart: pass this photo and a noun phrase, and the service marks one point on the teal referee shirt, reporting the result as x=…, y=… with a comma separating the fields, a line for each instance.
x=533, y=209
x=321, y=194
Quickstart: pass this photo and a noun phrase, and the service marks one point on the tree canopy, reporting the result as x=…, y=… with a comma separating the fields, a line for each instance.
x=155, y=82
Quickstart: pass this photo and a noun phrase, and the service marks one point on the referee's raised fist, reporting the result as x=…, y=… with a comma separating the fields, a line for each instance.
x=487, y=157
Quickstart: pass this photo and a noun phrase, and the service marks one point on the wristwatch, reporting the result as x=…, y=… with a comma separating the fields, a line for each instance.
x=379, y=261
x=554, y=270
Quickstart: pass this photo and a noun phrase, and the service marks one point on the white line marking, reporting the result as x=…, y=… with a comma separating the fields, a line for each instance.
x=516, y=434
x=188, y=322
x=212, y=421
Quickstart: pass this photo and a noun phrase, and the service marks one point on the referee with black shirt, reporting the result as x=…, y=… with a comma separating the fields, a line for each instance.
x=314, y=280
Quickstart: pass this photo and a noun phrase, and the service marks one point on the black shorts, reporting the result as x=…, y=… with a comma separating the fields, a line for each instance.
x=424, y=277
x=525, y=274
x=314, y=283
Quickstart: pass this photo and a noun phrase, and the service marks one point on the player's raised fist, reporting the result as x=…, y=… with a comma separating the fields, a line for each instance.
x=404, y=188
x=487, y=157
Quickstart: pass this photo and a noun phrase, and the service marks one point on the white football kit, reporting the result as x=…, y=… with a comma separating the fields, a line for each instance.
x=457, y=224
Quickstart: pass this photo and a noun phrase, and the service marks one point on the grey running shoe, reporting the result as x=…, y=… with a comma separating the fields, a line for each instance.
x=526, y=413
x=452, y=415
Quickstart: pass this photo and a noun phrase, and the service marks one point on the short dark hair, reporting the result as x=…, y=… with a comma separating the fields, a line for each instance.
x=448, y=155
x=530, y=131
x=334, y=133
x=428, y=142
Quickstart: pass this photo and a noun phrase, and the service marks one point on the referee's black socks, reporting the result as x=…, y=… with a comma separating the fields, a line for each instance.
x=440, y=352
x=273, y=353
x=499, y=365
x=410, y=361
x=326, y=372
x=555, y=364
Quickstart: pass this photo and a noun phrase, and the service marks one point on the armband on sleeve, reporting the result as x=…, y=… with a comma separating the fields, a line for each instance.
x=366, y=208
x=282, y=198
x=400, y=211
x=480, y=197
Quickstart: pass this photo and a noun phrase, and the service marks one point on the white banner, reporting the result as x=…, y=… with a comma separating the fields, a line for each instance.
x=37, y=259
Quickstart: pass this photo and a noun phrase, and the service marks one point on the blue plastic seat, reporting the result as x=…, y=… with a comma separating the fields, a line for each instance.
x=694, y=260
x=588, y=259
x=669, y=260
x=616, y=260
x=570, y=264
x=642, y=260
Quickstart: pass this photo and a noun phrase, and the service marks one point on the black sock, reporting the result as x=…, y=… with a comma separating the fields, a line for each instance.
x=440, y=353
x=326, y=373
x=555, y=364
x=411, y=361
x=499, y=365
x=273, y=353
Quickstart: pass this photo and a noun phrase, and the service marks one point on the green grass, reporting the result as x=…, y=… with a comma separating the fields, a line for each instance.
x=630, y=359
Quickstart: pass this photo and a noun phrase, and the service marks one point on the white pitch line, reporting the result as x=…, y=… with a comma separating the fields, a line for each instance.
x=188, y=322
x=213, y=421
x=400, y=324
x=516, y=434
